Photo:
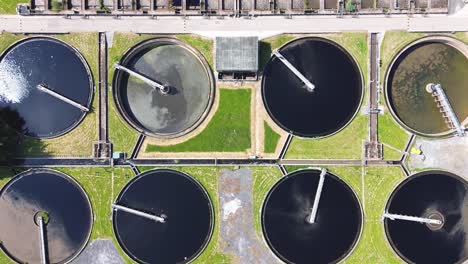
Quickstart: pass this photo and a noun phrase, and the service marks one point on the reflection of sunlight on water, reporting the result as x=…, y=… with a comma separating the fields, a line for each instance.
x=303, y=203
x=459, y=208
x=18, y=211
x=13, y=85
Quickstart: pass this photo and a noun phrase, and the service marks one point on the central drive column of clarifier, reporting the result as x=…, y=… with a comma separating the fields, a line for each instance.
x=163, y=89
x=44, y=89
x=445, y=107
x=40, y=223
x=313, y=214
x=156, y=218
x=307, y=83
x=413, y=219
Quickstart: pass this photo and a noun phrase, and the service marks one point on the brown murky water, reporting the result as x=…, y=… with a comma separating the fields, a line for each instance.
x=422, y=64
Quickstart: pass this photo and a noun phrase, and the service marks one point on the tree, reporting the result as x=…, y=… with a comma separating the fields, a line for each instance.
x=11, y=124
x=351, y=6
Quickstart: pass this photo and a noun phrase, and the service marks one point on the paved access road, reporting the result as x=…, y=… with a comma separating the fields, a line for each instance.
x=260, y=26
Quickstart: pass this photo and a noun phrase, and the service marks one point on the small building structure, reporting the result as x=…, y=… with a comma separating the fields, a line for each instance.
x=237, y=58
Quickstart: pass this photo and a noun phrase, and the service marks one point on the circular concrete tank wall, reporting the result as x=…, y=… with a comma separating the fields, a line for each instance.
x=54, y=65
x=439, y=60
x=434, y=195
x=178, y=67
x=179, y=200
x=67, y=216
x=334, y=101
x=286, y=212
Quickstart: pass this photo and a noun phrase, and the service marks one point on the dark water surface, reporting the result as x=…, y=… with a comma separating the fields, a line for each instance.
x=54, y=64
x=188, y=224
x=337, y=226
x=421, y=195
x=337, y=95
x=421, y=64
x=69, y=210
x=173, y=65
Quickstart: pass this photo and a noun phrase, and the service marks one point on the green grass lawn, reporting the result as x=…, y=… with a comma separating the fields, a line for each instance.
x=203, y=45
x=391, y=154
x=391, y=133
x=79, y=141
x=373, y=247
x=462, y=35
x=227, y=131
x=266, y=46
x=356, y=44
x=392, y=136
x=121, y=134
x=271, y=139
x=393, y=42
x=347, y=144
x=9, y=6
x=102, y=191
x=263, y=179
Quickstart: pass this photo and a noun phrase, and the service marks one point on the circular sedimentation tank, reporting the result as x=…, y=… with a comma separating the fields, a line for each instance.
x=180, y=201
x=438, y=60
x=286, y=218
x=188, y=88
x=434, y=195
x=66, y=212
x=58, y=67
x=334, y=101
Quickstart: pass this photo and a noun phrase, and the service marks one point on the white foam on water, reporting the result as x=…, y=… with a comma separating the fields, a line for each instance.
x=13, y=85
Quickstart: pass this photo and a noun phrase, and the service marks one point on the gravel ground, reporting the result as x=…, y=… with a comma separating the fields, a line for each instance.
x=99, y=251
x=448, y=154
x=237, y=223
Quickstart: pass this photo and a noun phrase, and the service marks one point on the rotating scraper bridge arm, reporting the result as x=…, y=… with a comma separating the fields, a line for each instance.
x=318, y=193
x=156, y=218
x=164, y=89
x=445, y=107
x=412, y=218
x=307, y=83
x=40, y=223
x=67, y=100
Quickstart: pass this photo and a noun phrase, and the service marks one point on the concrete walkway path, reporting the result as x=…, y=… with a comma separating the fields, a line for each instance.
x=259, y=26
x=237, y=219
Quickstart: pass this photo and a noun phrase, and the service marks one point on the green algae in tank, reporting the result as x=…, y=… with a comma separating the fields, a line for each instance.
x=422, y=64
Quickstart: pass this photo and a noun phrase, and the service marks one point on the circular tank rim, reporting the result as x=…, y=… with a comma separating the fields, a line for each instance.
x=118, y=75
x=443, y=39
x=406, y=179
x=72, y=181
x=292, y=174
x=85, y=64
x=190, y=178
x=361, y=79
